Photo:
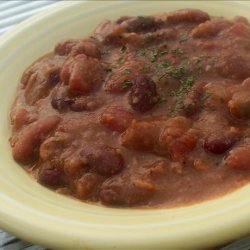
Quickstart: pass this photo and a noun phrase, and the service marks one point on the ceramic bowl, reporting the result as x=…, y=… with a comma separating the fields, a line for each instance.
x=39, y=215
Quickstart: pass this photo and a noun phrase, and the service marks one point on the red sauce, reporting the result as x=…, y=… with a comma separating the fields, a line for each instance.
x=149, y=111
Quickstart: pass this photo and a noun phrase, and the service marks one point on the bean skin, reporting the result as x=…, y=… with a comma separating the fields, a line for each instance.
x=52, y=177
x=31, y=138
x=116, y=119
x=143, y=95
x=219, y=143
x=82, y=73
x=105, y=160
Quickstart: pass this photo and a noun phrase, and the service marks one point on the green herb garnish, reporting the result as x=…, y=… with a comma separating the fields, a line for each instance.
x=127, y=71
x=177, y=51
x=145, y=68
x=165, y=64
x=123, y=48
x=120, y=59
x=108, y=70
x=184, y=37
x=127, y=84
x=160, y=100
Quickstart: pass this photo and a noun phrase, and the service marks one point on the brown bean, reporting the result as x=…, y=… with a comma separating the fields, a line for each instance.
x=187, y=15
x=82, y=73
x=143, y=134
x=238, y=157
x=50, y=176
x=233, y=65
x=210, y=28
x=75, y=47
x=104, y=159
x=60, y=98
x=219, y=143
x=143, y=94
x=142, y=24
x=64, y=47
x=116, y=119
x=126, y=191
x=30, y=139
x=87, y=186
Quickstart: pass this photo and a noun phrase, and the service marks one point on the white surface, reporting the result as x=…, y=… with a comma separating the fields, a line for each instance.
x=13, y=12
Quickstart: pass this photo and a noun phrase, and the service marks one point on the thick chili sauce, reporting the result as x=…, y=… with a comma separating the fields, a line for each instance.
x=148, y=110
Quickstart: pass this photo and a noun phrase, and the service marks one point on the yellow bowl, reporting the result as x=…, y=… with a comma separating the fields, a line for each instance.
x=39, y=215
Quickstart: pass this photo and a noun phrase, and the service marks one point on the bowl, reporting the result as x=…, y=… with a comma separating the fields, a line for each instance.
x=41, y=216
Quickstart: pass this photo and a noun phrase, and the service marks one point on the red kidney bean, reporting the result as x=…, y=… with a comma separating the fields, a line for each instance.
x=64, y=47
x=82, y=73
x=238, y=158
x=30, y=139
x=51, y=177
x=116, y=119
x=60, y=99
x=143, y=94
x=104, y=159
x=143, y=24
x=126, y=191
x=188, y=15
x=219, y=143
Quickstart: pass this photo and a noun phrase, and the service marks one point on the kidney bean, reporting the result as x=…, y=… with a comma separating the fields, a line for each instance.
x=239, y=105
x=211, y=28
x=108, y=32
x=116, y=119
x=219, y=143
x=53, y=146
x=143, y=94
x=127, y=191
x=177, y=138
x=87, y=47
x=143, y=134
x=22, y=117
x=232, y=65
x=82, y=73
x=157, y=169
x=74, y=166
x=122, y=78
x=87, y=185
x=54, y=77
x=60, y=99
x=75, y=47
x=82, y=103
x=64, y=47
x=180, y=147
x=238, y=158
x=103, y=159
x=142, y=24
x=51, y=177
x=187, y=15
x=122, y=19
x=30, y=139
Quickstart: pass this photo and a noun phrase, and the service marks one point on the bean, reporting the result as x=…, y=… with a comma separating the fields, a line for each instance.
x=219, y=143
x=238, y=158
x=52, y=177
x=187, y=15
x=30, y=139
x=126, y=192
x=104, y=159
x=82, y=73
x=143, y=24
x=116, y=119
x=143, y=95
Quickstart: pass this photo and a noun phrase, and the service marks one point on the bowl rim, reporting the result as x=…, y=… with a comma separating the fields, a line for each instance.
x=12, y=222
